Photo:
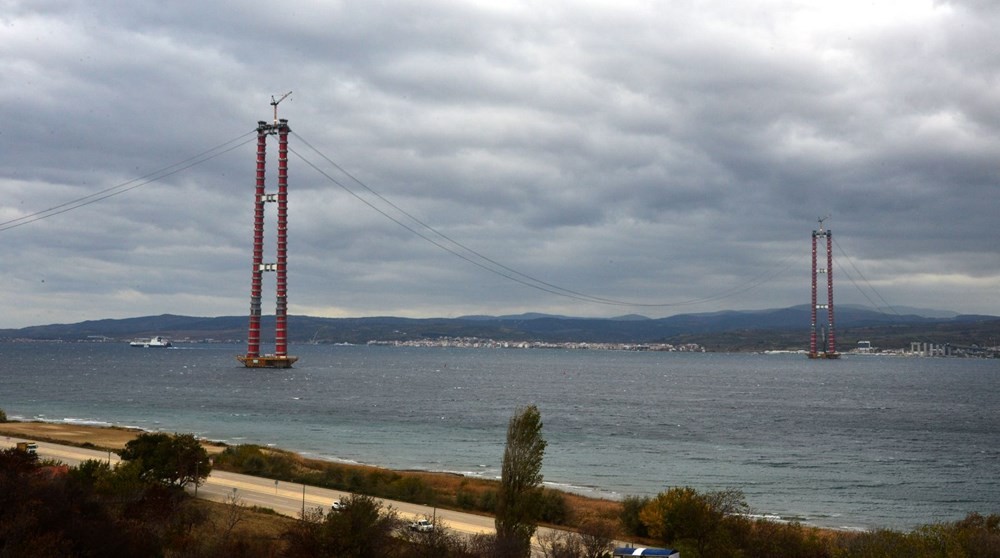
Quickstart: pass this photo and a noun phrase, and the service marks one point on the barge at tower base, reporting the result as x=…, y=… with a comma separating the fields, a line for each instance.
x=267, y=361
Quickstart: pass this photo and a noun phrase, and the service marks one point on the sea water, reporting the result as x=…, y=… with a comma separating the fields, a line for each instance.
x=860, y=442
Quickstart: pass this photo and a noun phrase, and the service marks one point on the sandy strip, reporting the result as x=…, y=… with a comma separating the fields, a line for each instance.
x=108, y=437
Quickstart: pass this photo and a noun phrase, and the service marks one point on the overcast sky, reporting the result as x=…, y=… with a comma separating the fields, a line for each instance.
x=650, y=157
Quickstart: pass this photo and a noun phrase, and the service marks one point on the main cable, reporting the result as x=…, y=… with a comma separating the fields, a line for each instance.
x=421, y=235
x=448, y=238
x=118, y=189
x=504, y=270
x=867, y=282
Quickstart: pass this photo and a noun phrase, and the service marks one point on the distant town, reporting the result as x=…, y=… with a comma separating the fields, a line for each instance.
x=477, y=343
x=861, y=331
x=915, y=349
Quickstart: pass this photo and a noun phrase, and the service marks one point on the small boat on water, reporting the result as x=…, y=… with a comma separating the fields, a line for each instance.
x=151, y=343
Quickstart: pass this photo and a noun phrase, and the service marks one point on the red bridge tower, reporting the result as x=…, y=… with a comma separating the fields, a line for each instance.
x=830, y=348
x=280, y=358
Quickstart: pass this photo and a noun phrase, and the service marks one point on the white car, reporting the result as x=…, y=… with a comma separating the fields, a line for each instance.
x=422, y=526
x=338, y=505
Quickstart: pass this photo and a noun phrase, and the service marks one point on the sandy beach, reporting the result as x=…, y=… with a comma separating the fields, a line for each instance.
x=102, y=437
x=75, y=434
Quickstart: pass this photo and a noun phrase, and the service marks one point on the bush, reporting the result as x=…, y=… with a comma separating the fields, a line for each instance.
x=3, y=416
x=488, y=501
x=411, y=489
x=686, y=518
x=881, y=542
x=777, y=540
x=552, y=507
x=253, y=460
x=975, y=536
x=465, y=499
x=631, y=523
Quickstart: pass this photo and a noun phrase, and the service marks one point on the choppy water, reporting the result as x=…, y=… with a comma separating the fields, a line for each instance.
x=856, y=443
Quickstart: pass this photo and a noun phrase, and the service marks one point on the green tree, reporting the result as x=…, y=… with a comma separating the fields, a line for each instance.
x=682, y=516
x=364, y=529
x=520, y=479
x=631, y=508
x=172, y=460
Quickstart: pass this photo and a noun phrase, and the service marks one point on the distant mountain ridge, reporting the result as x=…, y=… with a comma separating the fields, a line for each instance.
x=724, y=330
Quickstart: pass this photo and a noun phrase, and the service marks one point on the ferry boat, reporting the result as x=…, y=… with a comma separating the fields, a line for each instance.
x=151, y=343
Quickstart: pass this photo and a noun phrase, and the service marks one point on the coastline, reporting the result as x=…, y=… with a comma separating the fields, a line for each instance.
x=110, y=437
x=113, y=438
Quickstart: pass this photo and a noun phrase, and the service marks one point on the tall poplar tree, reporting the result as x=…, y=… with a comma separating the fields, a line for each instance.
x=520, y=483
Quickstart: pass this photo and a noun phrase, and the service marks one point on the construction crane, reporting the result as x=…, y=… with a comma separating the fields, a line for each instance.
x=821, y=219
x=275, y=105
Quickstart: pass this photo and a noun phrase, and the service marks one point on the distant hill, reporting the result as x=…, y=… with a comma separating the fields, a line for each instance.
x=782, y=328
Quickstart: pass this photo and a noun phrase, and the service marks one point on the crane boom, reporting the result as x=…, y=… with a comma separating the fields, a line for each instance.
x=275, y=105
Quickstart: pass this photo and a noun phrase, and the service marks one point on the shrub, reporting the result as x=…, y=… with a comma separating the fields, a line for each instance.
x=488, y=501
x=777, y=540
x=465, y=499
x=631, y=523
x=552, y=507
x=254, y=460
x=3, y=416
x=410, y=489
x=881, y=542
x=684, y=517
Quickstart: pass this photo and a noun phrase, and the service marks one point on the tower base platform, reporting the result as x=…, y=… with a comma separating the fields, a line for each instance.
x=267, y=361
x=824, y=355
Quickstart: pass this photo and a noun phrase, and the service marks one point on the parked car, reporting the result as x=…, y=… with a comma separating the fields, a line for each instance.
x=338, y=505
x=29, y=447
x=422, y=526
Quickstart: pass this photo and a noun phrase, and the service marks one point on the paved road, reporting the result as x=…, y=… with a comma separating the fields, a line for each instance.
x=284, y=497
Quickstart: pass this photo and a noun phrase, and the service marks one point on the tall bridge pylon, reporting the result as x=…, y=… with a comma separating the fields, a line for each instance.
x=280, y=358
x=829, y=349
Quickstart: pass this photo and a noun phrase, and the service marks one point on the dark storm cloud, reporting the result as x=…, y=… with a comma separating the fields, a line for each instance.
x=635, y=151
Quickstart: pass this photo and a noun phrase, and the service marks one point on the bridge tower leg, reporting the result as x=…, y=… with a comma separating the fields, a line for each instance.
x=829, y=340
x=253, y=357
x=812, y=307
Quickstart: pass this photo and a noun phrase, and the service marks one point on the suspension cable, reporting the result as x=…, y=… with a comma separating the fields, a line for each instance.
x=505, y=271
x=867, y=282
x=132, y=184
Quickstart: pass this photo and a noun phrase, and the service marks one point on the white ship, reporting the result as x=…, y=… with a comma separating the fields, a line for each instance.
x=153, y=342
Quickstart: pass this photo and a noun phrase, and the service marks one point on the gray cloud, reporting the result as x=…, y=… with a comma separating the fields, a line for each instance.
x=634, y=151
